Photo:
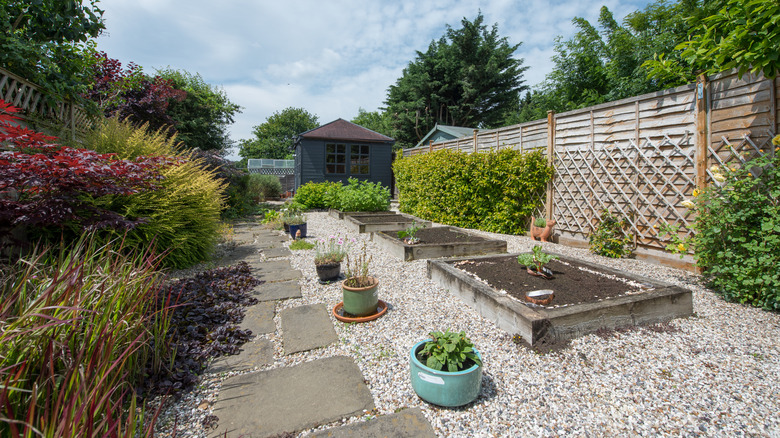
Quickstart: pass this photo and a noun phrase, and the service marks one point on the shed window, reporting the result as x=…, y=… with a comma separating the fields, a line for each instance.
x=335, y=159
x=359, y=164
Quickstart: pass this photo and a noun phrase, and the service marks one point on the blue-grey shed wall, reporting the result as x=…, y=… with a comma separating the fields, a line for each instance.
x=310, y=162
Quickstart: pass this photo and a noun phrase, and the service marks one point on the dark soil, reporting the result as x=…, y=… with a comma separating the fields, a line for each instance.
x=381, y=218
x=439, y=235
x=570, y=285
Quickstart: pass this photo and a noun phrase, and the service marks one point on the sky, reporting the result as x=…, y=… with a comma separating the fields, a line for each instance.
x=329, y=57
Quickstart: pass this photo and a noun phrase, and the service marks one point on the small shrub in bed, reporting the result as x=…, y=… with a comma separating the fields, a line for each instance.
x=610, y=239
x=312, y=194
x=359, y=196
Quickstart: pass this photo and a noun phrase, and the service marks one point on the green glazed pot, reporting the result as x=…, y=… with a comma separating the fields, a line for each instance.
x=360, y=301
x=444, y=388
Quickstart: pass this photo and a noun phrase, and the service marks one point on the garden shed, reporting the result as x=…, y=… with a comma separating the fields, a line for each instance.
x=340, y=150
x=444, y=133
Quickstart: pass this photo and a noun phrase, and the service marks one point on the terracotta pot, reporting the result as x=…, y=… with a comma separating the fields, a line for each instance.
x=329, y=271
x=539, y=297
x=360, y=301
x=541, y=233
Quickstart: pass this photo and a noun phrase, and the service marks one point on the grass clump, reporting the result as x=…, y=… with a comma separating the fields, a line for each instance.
x=301, y=245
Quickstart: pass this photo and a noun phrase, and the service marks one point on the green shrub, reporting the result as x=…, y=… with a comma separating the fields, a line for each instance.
x=610, y=239
x=493, y=191
x=737, y=240
x=262, y=187
x=182, y=216
x=312, y=194
x=359, y=196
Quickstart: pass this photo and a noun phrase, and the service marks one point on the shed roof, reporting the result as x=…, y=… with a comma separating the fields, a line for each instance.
x=341, y=129
x=451, y=131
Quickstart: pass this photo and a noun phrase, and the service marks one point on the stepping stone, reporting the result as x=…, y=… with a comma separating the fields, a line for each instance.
x=261, y=267
x=254, y=353
x=277, y=276
x=407, y=423
x=306, y=328
x=277, y=291
x=268, y=244
x=260, y=318
x=277, y=252
x=290, y=399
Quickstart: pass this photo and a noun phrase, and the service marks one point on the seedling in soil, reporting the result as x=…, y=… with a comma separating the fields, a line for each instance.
x=535, y=262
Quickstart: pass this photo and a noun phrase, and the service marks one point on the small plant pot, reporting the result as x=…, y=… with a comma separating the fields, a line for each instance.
x=360, y=301
x=541, y=233
x=541, y=297
x=294, y=230
x=329, y=271
x=444, y=388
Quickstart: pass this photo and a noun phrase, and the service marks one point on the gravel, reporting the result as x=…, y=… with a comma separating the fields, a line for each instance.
x=713, y=374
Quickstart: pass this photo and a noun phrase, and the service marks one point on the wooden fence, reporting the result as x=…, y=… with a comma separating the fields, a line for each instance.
x=641, y=157
x=43, y=111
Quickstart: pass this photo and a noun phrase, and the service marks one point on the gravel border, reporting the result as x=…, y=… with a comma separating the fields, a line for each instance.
x=713, y=374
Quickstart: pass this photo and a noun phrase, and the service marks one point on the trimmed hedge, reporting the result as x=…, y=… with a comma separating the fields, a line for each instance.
x=492, y=191
x=312, y=194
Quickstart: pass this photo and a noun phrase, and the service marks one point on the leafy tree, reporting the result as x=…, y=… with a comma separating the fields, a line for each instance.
x=45, y=42
x=466, y=78
x=742, y=34
x=374, y=120
x=201, y=119
x=275, y=138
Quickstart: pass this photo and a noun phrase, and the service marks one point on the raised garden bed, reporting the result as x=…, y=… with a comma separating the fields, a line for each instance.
x=588, y=297
x=338, y=214
x=437, y=242
x=381, y=222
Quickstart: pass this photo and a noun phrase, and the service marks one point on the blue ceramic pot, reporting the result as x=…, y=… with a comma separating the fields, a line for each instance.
x=444, y=388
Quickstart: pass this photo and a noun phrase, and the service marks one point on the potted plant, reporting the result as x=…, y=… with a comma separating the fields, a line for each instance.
x=292, y=212
x=359, y=289
x=328, y=255
x=446, y=369
x=534, y=262
x=541, y=228
x=297, y=224
x=408, y=235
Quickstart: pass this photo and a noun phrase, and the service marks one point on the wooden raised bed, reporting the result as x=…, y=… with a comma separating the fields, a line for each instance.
x=338, y=214
x=389, y=221
x=653, y=302
x=444, y=242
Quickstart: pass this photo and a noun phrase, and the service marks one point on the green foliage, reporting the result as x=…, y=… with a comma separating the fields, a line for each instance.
x=610, y=238
x=469, y=77
x=263, y=187
x=301, y=245
x=312, y=194
x=48, y=42
x=359, y=196
x=734, y=34
x=449, y=350
x=494, y=191
x=182, y=216
x=202, y=118
x=357, y=269
x=409, y=235
x=332, y=250
x=375, y=121
x=275, y=137
x=737, y=240
x=540, y=222
x=537, y=258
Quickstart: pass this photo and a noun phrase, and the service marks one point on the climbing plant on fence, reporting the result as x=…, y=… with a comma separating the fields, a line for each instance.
x=491, y=191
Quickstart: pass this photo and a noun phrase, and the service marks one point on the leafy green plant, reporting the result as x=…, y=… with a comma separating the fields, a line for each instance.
x=609, y=239
x=540, y=222
x=359, y=196
x=536, y=259
x=450, y=350
x=409, y=235
x=332, y=250
x=737, y=231
x=492, y=191
x=299, y=244
x=312, y=194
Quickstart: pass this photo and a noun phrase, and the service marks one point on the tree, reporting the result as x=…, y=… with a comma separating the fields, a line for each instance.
x=201, y=119
x=46, y=41
x=275, y=137
x=742, y=34
x=374, y=120
x=466, y=78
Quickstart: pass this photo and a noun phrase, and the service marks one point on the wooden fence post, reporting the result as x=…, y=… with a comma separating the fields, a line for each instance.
x=475, y=140
x=430, y=146
x=702, y=130
x=550, y=152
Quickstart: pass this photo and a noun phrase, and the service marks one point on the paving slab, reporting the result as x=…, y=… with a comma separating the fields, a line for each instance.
x=277, y=252
x=306, y=328
x=254, y=353
x=277, y=291
x=260, y=318
x=268, y=244
x=278, y=276
x=265, y=266
x=290, y=399
x=409, y=423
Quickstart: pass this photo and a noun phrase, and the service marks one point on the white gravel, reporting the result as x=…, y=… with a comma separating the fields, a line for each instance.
x=716, y=375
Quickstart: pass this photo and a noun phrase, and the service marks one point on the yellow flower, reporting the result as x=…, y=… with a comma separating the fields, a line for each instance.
x=681, y=247
x=688, y=204
x=714, y=169
x=776, y=140
x=696, y=192
x=718, y=177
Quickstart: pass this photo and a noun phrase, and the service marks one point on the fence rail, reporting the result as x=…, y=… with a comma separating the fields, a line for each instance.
x=38, y=108
x=641, y=157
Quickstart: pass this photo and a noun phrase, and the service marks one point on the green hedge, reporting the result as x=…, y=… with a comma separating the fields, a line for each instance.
x=493, y=191
x=359, y=196
x=312, y=194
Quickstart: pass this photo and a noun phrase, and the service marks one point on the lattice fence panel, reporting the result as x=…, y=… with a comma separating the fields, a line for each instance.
x=737, y=150
x=644, y=183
